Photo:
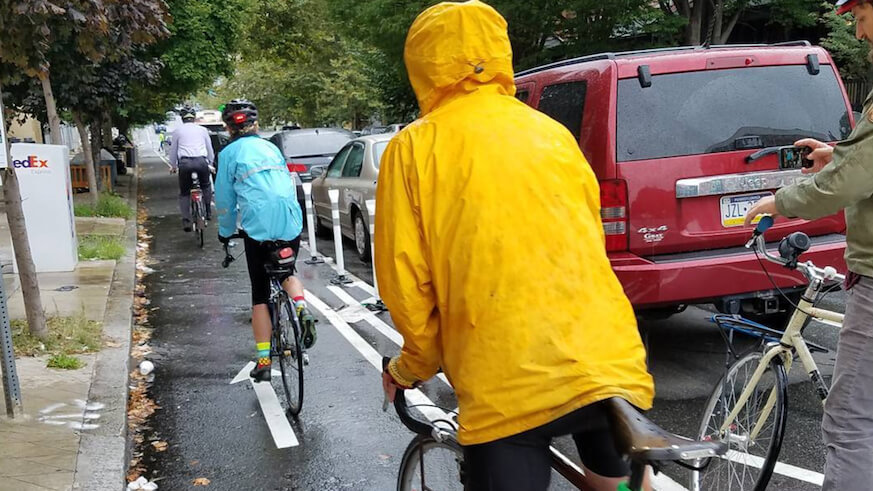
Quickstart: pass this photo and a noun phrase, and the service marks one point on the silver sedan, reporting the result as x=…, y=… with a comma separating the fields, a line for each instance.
x=353, y=171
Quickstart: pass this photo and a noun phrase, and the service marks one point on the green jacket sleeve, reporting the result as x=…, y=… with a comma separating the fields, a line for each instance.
x=845, y=181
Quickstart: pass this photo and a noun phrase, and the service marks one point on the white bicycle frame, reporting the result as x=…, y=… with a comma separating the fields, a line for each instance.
x=792, y=340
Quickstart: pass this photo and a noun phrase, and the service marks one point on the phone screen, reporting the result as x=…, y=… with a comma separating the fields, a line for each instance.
x=794, y=158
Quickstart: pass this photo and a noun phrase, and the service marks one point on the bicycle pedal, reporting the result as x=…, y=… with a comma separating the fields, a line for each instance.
x=305, y=359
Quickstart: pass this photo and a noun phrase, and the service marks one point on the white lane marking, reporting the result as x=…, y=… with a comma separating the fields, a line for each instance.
x=787, y=470
x=415, y=397
x=376, y=322
x=662, y=482
x=243, y=374
x=280, y=428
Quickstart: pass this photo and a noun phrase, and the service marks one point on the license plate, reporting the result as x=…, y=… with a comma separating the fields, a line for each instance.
x=734, y=208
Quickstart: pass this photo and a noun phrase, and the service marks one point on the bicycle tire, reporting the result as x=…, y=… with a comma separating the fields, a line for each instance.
x=748, y=465
x=450, y=475
x=288, y=351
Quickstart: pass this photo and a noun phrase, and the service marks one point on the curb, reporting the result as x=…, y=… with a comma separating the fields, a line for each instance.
x=101, y=463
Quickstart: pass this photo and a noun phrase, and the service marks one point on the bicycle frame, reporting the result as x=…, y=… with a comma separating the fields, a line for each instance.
x=791, y=342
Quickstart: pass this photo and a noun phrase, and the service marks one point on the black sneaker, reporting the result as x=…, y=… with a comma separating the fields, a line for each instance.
x=262, y=373
x=307, y=324
x=186, y=225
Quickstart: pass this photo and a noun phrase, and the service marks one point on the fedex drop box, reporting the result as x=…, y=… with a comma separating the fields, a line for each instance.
x=47, y=199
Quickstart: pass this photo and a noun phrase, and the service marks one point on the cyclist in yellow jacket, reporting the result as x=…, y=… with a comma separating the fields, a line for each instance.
x=491, y=258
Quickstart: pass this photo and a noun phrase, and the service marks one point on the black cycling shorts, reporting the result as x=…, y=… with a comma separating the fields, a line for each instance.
x=257, y=255
x=523, y=463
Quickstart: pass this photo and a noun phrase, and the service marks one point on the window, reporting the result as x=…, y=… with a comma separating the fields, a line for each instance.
x=299, y=144
x=335, y=169
x=522, y=95
x=378, y=150
x=726, y=110
x=565, y=103
x=355, y=161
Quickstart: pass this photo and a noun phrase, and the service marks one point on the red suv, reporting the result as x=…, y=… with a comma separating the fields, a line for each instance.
x=670, y=134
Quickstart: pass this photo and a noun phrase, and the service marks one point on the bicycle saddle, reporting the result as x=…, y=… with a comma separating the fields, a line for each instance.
x=643, y=440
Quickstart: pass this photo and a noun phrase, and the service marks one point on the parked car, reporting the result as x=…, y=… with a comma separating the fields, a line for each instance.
x=668, y=134
x=353, y=171
x=305, y=148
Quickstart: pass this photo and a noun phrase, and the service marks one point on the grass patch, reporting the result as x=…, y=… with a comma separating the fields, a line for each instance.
x=65, y=362
x=108, y=205
x=67, y=336
x=100, y=247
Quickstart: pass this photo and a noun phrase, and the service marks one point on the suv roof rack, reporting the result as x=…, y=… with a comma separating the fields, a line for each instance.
x=624, y=54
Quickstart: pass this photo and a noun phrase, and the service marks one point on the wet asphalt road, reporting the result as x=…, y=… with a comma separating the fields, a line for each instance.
x=216, y=430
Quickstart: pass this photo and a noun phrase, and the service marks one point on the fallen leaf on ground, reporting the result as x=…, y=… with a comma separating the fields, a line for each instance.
x=160, y=446
x=201, y=481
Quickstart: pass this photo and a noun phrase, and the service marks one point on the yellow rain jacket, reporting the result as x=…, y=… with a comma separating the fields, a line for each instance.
x=489, y=247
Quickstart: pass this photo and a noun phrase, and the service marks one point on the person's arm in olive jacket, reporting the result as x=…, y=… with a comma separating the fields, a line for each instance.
x=845, y=181
x=402, y=267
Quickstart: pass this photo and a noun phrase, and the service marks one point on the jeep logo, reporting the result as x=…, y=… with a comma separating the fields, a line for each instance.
x=31, y=162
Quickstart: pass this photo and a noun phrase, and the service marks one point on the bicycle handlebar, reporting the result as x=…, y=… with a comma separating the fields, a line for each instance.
x=400, y=405
x=810, y=270
x=228, y=257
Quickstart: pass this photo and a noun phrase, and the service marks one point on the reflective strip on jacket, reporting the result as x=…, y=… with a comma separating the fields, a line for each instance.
x=489, y=247
x=252, y=174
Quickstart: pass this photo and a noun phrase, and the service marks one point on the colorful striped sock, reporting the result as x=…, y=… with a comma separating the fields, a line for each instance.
x=263, y=353
x=299, y=303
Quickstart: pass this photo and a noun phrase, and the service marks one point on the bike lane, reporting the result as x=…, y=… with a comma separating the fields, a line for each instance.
x=216, y=430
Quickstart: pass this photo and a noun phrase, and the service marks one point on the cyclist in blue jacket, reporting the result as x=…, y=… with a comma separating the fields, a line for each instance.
x=252, y=175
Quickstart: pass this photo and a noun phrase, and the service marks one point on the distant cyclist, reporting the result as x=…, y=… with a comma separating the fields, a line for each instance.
x=191, y=153
x=252, y=175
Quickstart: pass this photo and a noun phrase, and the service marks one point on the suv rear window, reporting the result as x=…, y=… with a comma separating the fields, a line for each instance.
x=724, y=110
x=313, y=145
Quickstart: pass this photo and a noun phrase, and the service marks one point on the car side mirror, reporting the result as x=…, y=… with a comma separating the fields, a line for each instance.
x=316, y=172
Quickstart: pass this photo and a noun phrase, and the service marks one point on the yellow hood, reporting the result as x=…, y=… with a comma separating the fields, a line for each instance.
x=455, y=48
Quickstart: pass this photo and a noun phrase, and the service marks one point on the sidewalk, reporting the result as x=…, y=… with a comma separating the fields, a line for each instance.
x=66, y=409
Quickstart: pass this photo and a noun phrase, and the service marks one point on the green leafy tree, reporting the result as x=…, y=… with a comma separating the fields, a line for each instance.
x=851, y=55
x=713, y=21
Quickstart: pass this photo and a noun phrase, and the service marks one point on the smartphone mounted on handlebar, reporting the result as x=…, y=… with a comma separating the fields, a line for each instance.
x=794, y=158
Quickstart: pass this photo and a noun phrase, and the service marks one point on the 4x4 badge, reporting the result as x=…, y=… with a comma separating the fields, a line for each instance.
x=653, y=235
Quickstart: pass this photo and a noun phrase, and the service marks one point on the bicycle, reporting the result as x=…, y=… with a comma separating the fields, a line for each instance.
x=747, y=409
x=198, y=210
x=642, y=441
x=286, y=344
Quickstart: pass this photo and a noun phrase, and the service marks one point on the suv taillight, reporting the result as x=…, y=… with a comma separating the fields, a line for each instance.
x=298, y=168
x=613, y=212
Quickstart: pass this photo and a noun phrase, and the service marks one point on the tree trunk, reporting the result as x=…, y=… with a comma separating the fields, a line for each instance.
x=51, y=108
x=23, y=257
x=93, y=191
x=96, y=153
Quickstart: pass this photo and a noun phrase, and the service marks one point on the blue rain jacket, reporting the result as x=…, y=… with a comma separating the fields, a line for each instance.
x=252, y=174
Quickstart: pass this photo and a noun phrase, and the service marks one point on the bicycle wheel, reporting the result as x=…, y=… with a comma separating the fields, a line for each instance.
x=429, y=465
x=199, y=221
x=749, y=462
x=287, y=349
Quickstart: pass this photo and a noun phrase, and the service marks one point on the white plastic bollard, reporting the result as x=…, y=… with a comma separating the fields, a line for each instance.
x=310, y=225
x=341, y=277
